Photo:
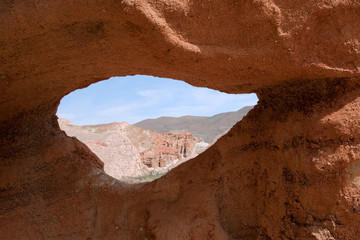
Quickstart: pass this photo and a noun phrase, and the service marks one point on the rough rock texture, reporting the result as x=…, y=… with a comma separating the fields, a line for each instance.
x=170, y=149
x=288, y=170
x=129, y=151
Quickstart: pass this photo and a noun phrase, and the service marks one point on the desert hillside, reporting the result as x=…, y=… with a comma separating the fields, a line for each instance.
x=152, y=146
x=207, y=128
x=131, y=152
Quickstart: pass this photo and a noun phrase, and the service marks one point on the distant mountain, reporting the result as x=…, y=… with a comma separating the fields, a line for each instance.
x=207, y=128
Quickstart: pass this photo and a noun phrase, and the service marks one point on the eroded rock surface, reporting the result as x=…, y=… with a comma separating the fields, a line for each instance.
x=288, y=170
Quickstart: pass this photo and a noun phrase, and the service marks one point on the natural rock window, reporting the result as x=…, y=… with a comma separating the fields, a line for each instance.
x=141, y=127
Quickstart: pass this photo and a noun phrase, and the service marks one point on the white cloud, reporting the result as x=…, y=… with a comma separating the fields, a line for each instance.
x=155, y=93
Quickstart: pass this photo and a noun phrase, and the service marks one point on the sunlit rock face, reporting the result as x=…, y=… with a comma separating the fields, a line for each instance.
x=288, y=170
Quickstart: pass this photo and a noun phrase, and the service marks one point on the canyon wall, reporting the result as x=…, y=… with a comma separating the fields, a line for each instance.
x=288, y=170
x=131, y=152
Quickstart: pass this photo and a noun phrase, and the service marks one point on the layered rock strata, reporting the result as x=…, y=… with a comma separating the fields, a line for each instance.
x=288, y=170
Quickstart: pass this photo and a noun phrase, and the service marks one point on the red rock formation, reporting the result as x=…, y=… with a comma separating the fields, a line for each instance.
x=170, y=147
x=289, y=170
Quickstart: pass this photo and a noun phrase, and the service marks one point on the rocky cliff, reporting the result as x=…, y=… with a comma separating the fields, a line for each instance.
x=129, y=152
x=288, y=170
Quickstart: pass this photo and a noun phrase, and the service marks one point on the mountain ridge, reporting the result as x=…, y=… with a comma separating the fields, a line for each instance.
x=207, y=128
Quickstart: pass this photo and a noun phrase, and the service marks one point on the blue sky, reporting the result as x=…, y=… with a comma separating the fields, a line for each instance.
x=135, y=98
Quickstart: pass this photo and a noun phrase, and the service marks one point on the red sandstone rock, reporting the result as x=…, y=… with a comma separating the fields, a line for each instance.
x=289, y=170
x=169, y=148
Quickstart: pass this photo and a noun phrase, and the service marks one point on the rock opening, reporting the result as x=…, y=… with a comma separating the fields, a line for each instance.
x=145, y=149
